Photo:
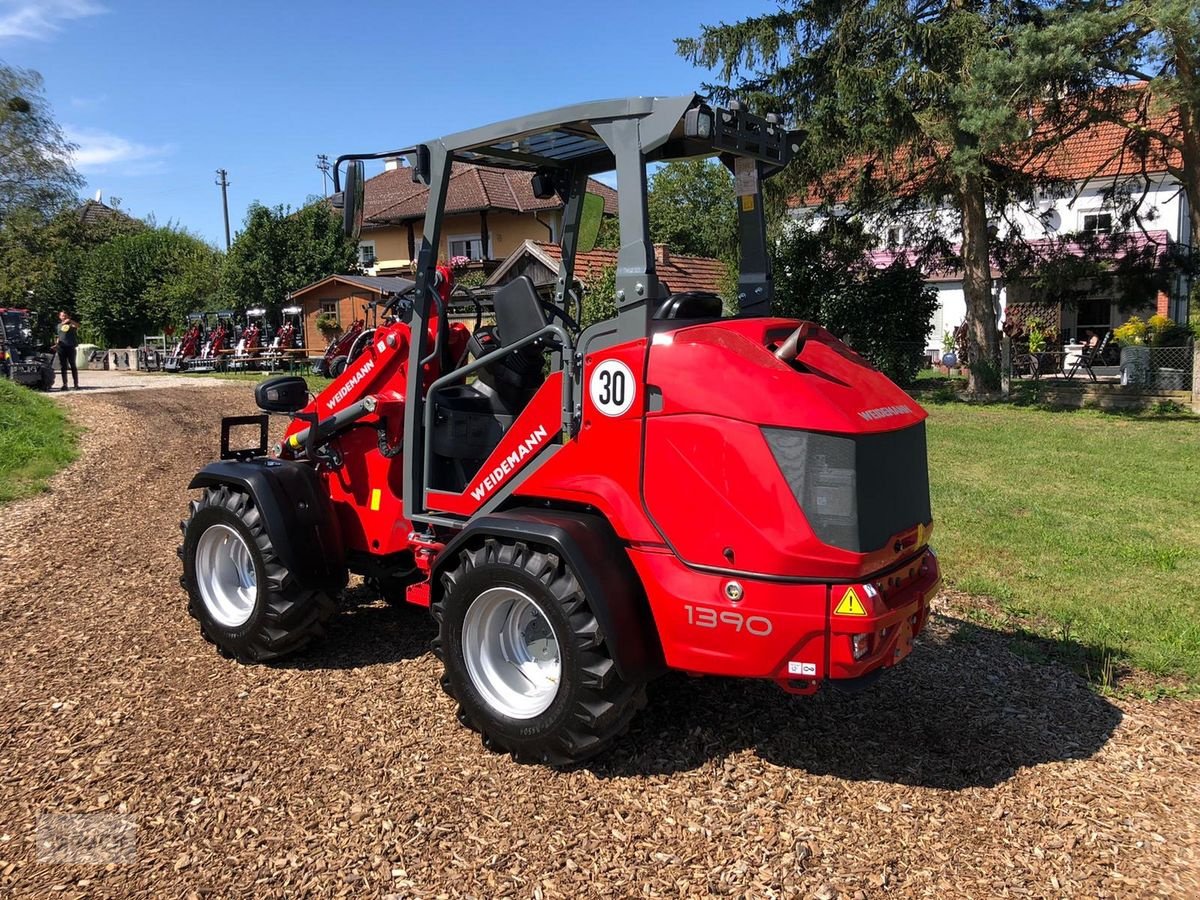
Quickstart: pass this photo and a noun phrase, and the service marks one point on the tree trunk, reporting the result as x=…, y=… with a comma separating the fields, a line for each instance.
x=982, y=337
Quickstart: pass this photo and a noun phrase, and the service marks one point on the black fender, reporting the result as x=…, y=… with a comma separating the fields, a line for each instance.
x=594, y=552
x=297, y=512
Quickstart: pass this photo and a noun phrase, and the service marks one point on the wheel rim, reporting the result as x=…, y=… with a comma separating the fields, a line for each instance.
x=511, y=652
x=225, y=576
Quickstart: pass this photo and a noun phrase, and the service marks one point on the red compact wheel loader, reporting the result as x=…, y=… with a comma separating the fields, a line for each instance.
x=582, y=509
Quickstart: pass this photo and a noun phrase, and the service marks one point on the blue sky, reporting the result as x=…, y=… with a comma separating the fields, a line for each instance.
x=159, y=95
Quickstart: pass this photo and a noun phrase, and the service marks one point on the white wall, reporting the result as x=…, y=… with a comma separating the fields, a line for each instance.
x=1163, y=207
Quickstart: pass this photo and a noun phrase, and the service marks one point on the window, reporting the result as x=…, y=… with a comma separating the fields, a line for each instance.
x=1098, y=223
x=895, y=236
x=366, y=254
x=469, y=245
x=329, y=308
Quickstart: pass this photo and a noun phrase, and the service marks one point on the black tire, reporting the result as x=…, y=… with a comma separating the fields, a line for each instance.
x=338, y=366
x=47, y=378
x=285, y=615
x=593, y=705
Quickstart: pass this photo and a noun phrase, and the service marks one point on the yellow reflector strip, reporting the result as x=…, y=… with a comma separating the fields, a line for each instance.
x=376, y=494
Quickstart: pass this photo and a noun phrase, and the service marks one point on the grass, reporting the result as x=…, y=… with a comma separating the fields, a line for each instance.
x=1081, y=528
x=36, y=440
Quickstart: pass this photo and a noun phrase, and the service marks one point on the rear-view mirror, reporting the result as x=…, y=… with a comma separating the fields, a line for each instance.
x=350, y=199
x=589, y=222
x=283, y=394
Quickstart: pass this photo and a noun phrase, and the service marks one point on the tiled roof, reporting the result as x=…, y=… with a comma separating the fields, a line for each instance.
x=393, y=197
x=93, y=212
x=1101, y=150
x=681, y=273
x=379, y=284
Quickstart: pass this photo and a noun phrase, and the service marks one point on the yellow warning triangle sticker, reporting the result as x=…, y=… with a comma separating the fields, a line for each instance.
x=850, y=605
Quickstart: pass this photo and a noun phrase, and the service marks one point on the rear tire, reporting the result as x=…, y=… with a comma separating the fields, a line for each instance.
x=525, y=657
x=338, y=366
x=246, y=600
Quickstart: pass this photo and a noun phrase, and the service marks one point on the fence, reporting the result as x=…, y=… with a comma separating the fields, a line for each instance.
x=1144, y=368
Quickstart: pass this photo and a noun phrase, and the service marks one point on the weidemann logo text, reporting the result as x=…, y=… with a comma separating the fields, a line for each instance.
x=509, y=464
x=346, y=388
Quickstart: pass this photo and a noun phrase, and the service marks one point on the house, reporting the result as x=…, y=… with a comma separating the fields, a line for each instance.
x=1091, y=166
x=539, y=260
x=490, y=212
x=342, y=297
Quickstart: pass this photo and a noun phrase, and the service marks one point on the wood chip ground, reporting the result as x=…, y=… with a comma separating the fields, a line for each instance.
x=967, y=772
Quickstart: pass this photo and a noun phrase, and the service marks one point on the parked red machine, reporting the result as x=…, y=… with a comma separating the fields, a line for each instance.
x=583, y=509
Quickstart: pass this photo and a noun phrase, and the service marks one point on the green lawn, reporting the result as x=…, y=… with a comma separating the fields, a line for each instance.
x=1082, y=527
x=36, y=440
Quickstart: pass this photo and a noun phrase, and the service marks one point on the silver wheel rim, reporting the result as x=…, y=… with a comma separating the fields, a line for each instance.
x=225, y=576
x=511, y=653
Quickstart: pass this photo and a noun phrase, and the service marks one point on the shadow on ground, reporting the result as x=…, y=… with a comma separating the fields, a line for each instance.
x=963, y=710
x=366, y=631
x=958, y=713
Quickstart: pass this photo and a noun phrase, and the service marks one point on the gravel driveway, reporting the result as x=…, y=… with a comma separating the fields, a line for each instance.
x=343, y=772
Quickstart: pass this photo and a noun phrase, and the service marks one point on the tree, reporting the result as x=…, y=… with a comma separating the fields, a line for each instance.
x=927, y=99
x=823, y=275
x=41, y=262
x=135, y=284
x=279, y=251
x=692, y=211
x=1134, y=64
x=35, y=157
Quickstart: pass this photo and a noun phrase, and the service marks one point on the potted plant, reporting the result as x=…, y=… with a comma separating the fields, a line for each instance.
x=329, y=327
x=1135, y=355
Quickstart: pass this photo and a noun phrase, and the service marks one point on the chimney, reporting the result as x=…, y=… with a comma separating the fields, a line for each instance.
x=98, y=196
x=662, y=256
x=391, y=164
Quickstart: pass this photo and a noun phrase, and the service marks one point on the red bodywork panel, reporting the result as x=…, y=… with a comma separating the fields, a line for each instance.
x=686, y=478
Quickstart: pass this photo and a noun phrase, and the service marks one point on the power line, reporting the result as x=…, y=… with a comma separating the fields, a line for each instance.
x=223, y=183
x=323, y=165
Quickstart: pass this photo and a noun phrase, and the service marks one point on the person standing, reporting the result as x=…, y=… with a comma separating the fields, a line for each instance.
x=68, y=340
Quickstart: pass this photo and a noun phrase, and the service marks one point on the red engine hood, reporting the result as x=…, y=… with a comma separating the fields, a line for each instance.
x=729, y=369
x=715, y=489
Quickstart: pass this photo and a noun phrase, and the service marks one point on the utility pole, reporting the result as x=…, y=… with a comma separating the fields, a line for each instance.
x=223, y=184
x=323, y=165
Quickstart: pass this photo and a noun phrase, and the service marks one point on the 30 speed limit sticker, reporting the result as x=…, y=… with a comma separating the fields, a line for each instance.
x=612, y=388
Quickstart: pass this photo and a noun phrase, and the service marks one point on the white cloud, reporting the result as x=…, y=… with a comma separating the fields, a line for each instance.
x=101, y=151
x=39, y=19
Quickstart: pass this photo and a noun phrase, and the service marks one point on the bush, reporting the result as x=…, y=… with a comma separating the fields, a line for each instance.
x=600, y=297
x=885, y=314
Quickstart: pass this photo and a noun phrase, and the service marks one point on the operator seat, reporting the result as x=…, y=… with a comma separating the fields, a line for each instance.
x=470, y=420
x=519, y=311
x=516, y=376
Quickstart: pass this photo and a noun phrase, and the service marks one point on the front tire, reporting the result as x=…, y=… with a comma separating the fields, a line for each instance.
x=525, y=657
x=338, y=366
x=246, y=600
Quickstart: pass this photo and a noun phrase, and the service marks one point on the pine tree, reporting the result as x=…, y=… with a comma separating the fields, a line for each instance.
x=1138, y=62
x=905, y=105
